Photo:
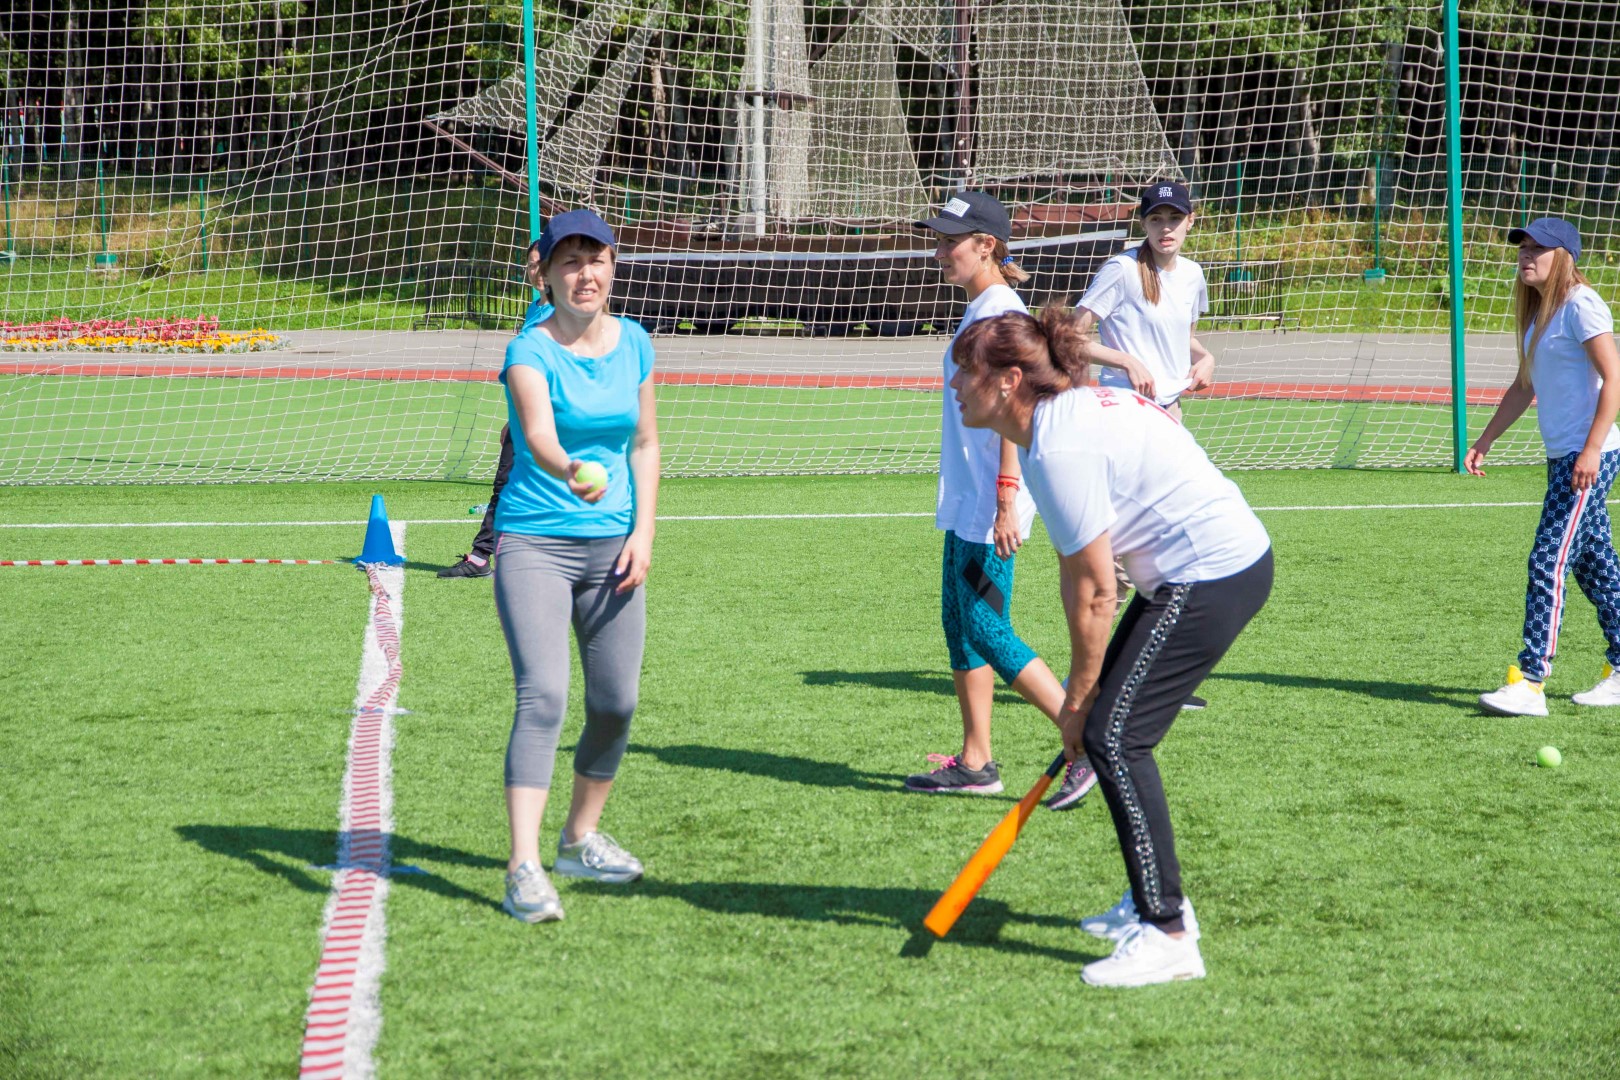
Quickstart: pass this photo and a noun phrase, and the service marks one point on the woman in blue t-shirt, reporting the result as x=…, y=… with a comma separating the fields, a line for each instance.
x=1569, y=367
x=573, y=547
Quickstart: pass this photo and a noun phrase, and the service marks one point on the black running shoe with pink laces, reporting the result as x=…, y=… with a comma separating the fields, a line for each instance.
x=1078, y=779
x=467, y=568
x=955, y=778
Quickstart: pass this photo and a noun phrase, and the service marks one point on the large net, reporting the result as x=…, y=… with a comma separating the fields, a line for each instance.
x=279, y=239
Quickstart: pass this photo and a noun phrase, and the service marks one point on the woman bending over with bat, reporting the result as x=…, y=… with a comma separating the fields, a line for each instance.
x=1113, y=474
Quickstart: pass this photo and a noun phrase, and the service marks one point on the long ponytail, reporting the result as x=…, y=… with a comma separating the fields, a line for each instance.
x=1147, y=268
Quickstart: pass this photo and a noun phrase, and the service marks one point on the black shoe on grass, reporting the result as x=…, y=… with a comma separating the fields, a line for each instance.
x=467, y=568
x=1194, y=702
x=954, y=778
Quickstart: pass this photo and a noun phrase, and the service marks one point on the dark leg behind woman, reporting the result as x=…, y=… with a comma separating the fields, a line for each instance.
x=484, y=543
x=476, y=562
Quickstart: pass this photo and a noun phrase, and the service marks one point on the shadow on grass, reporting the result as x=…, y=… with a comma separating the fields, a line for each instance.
x=795, y=770
x=910, y=682
x=265, y=848
x=900, y=909
x=1455, y=697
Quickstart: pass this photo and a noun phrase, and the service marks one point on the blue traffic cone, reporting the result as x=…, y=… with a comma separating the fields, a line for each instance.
x=379, y=546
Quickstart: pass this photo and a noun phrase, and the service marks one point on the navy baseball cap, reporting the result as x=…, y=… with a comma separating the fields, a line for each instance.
x=1165, y=193
x=1552, y=232
x=574, y=223
x=970, y=212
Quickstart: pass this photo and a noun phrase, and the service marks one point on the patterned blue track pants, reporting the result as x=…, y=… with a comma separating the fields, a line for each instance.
x=1573, y=537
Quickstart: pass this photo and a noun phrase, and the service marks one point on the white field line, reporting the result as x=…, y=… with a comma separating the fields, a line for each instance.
x=472, y=521
x=167, y=562
x=345, y=1014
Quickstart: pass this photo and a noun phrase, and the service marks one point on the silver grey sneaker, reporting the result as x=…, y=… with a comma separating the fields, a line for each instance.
x=530, y=896
x=598, y=857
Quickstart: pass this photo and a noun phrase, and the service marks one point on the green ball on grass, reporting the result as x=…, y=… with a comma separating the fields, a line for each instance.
x=1549, y=757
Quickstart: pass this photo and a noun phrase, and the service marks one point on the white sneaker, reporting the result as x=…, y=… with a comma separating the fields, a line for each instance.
x=1116, y=922
x=530, y=896
x=597, y=856
x=1519, y=697
x=1144, y=956
x=1606, y=692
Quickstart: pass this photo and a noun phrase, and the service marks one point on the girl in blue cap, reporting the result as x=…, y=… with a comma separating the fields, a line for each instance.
x=1567, y=365
x=573, y=548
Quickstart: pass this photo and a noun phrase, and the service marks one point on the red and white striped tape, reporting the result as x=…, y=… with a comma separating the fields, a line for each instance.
x=168, y=562
x=344, y=1018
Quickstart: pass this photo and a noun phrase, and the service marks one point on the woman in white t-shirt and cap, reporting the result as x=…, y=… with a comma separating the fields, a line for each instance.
x=1145, y=305
x=1569, y=367
x=985, y=515
x=1114, y=475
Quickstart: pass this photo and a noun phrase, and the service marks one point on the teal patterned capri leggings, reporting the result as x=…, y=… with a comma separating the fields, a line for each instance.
x=976, y=608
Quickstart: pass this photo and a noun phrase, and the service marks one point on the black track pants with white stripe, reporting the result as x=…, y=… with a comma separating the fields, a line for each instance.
x=1161, y=650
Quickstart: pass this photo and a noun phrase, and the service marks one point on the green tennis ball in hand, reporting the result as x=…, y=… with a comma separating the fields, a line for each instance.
x=592, y=475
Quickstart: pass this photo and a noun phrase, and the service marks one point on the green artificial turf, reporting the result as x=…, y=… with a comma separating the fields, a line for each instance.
x=1387, y=884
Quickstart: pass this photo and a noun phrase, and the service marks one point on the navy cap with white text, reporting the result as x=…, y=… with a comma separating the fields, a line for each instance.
x=970, y=212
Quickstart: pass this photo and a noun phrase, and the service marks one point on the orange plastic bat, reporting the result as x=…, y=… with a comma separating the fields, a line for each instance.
x=961, y=892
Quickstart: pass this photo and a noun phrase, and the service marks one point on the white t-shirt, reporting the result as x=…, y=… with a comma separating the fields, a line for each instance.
x=1156, y=334
x=970, y=458
x=1565, y=381
x=1104, y=459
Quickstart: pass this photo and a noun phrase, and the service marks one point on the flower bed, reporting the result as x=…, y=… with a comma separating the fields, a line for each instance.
x=199, y=335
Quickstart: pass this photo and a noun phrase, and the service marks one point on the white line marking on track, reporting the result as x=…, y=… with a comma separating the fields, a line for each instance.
x=214, y=524
x=168, y=562
x=471, y=521
x=345, y=1014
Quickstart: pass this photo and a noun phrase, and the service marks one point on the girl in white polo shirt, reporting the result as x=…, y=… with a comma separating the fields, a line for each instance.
x=1145, y=304
x=1568, y=365
x=985, y=515
x=1114, y=475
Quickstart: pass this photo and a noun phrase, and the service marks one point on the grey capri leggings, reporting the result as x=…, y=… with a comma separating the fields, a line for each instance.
x=541, y=584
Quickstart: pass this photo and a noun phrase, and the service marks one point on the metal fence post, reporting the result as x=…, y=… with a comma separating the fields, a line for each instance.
x=1454, y=241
